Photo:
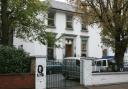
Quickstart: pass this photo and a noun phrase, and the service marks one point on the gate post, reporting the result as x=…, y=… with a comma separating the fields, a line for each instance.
x=40, y=72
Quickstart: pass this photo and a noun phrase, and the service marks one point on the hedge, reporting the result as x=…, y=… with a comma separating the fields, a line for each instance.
x=13, y=60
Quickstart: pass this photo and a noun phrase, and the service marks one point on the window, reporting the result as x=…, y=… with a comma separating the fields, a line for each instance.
x=77, y=62
x=69, y=21
x=104, y=62
x=84, y=47
x=84, y=26
x=51, y=16
x=98, y=63
x=105, y=52
x=50, y=37
x=50, y=52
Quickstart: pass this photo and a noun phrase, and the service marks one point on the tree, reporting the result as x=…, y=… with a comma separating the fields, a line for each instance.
x=112, y=17
x=21, y=17
x=51, y=41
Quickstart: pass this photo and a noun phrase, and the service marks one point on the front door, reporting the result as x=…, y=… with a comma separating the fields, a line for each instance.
x=68, y=50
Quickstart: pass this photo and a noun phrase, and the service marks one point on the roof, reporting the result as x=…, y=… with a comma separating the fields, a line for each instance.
x=61, y=6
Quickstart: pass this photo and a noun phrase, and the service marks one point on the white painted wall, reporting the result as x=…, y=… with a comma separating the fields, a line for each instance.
x=94, y=46
x=109, y=78
x=90, y=78
x=33, y=48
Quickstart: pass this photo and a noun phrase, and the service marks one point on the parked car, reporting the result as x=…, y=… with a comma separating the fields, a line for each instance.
x=102, y=65
x=53, y=67
x=71, y=67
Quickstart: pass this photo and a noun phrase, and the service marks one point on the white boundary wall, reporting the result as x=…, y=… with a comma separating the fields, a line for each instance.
x=89, y=78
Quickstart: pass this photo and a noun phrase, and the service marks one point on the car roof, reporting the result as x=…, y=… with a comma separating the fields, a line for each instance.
x=103, y=59
x=78, y=58
x=75, y=58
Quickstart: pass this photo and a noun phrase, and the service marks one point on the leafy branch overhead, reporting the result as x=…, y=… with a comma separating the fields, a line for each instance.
x=110, y=14
x=112, y=17
x=26, y=17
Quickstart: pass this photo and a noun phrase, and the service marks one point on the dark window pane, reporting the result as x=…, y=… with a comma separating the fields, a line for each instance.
x=83, y=47
x=50, y=22
x=69, y=21
x=69, y=24
x=98, y=63
x=105, y=52
x=104, y=62
x=50, y=53
x=77, y=62
x=51, y=16
x=84, y=27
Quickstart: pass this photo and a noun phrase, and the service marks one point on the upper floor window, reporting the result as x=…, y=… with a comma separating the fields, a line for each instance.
x=51, y=19
x=69, y=21
x=84, y=28
x=104, y=52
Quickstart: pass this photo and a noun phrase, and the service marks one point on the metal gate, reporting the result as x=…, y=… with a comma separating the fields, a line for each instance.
x=63, y=74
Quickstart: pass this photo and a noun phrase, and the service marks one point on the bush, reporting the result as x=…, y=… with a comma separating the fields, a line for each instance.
x=13, y=60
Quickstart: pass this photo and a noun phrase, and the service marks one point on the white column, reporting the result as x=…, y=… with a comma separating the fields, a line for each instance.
x=40, y=72
x=87, y=72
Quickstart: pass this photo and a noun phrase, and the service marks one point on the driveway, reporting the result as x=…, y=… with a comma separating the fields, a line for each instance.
x=58, y=81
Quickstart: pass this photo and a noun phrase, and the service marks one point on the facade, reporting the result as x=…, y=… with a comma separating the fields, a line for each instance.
x=78, y=40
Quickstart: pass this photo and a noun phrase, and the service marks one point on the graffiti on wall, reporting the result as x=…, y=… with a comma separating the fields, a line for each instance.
x=40, y=70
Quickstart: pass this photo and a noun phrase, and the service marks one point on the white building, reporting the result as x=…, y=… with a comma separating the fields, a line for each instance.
x=77, y=40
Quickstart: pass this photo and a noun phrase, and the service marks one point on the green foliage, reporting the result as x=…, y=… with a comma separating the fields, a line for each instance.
x=112, y=18
x=13, y=60
x=52, y=39
x=26, y=17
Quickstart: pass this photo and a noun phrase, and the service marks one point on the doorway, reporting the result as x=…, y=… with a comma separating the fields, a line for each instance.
x=69, y=48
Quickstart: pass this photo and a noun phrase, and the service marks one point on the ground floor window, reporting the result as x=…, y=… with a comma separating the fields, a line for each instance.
x=83, y=47
x=50, y=53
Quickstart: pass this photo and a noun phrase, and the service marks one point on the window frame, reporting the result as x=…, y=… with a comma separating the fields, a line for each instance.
x=69, y=21
x=83, y=27
x=50, y=14
x=84, y=48
x=51, y=57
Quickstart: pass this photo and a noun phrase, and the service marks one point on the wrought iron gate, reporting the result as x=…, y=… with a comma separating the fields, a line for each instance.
x=63, y=74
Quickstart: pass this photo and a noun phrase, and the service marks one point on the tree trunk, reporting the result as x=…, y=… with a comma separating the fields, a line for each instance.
x=5, y=39
x=120, y=49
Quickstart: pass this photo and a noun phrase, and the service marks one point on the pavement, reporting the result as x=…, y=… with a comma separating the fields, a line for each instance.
x=114, y=86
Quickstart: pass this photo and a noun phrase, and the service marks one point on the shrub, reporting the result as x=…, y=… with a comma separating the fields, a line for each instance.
x=13, y=60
